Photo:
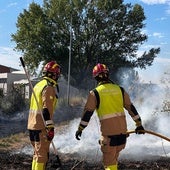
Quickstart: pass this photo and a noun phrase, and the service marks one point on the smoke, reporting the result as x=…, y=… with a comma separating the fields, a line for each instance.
x=138, y=147
x=87, y=147
x=149, y=100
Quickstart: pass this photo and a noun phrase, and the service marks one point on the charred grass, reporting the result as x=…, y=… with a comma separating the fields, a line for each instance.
x=10, y=160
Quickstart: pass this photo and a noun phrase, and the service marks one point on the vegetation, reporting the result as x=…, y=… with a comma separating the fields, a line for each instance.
x=95, y=31
x=13, y=141
x=13, y=101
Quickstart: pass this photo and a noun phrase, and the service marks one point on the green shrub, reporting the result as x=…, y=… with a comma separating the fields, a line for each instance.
x=1, y=93
x=13, y=102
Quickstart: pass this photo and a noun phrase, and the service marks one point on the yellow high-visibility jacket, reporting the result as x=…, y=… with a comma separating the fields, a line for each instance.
x=110, y=110
x=45, y=92
x=109, y=101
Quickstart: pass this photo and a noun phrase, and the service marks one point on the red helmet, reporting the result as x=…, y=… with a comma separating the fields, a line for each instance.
x=99, y=68
x=52, y=67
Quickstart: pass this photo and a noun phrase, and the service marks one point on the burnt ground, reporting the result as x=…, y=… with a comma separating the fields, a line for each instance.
x=11, y=160
x=69, y=162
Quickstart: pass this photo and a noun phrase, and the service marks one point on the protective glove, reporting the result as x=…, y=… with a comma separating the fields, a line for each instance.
x=50, y=132
x=138, y=129
x=78, y=134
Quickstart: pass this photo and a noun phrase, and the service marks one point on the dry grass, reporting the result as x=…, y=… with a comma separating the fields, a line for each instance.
x=73, y=101
x=14, y=141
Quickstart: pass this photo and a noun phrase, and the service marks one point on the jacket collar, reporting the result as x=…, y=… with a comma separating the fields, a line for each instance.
x=51, y=81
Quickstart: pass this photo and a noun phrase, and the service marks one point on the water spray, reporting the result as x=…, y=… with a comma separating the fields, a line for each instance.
x=57, y=162
x=150, y=132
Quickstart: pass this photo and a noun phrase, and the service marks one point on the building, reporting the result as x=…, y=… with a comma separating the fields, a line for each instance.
x=5, y=69
x=11, y=79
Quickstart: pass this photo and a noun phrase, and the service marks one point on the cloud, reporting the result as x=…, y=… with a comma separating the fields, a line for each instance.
x=9, y=57
x=159, y=2
x=152, y=2
x=12, y=4
x=163, y=43
x=2, y=11
x=162, y=60
x=158, y=35
x=168, y=10
x=161, y=19
x=149, y=46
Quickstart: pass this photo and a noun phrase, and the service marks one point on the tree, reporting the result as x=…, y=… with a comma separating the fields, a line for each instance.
x=102, y=31
x=35, y=37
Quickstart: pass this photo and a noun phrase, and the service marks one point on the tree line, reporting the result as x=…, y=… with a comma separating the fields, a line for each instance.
x=95, y=31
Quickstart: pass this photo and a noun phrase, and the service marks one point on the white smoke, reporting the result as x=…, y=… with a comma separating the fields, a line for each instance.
x=87, y=147
x=149, y=103
x=138, y=146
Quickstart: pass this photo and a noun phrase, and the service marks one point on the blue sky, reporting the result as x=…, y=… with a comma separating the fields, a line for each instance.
x=157, y=28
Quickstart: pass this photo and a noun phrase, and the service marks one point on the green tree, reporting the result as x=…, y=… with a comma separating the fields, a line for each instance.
x=102, y=31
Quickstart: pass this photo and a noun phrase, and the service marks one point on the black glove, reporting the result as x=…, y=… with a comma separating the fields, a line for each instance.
x=78, y=134
x=139, y=129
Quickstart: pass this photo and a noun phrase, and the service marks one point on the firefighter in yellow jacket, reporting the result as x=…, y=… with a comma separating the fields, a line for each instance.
x=40, y=119
x=109, y=101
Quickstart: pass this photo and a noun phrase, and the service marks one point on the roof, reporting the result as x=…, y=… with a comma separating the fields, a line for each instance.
x=5, y=69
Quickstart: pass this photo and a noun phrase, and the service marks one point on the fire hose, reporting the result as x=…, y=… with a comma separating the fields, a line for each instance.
x=150, y=132
x=57, y=162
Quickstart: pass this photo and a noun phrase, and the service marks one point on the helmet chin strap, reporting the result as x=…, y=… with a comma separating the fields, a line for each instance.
x=102, y=77
x=55, y=77
x=51, y=75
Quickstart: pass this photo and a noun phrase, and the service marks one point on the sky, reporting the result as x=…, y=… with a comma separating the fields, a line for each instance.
x=157, y=28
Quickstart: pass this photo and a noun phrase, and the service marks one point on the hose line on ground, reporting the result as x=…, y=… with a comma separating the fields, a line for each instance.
x=150, y=132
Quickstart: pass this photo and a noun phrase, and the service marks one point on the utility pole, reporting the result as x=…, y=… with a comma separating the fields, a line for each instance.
x=69, y=63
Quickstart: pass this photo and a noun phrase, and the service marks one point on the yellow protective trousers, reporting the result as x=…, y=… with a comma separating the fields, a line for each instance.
x=110, y=154
x=38, y=166
x=41, y=149
x=111, y=167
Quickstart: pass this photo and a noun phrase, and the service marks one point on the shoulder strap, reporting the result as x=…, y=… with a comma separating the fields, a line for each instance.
x=44, y=85
x=97, y=97
x=122, y=90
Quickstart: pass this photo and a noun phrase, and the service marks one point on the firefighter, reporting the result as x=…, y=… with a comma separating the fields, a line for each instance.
x=109, y=101
x=40, y=119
